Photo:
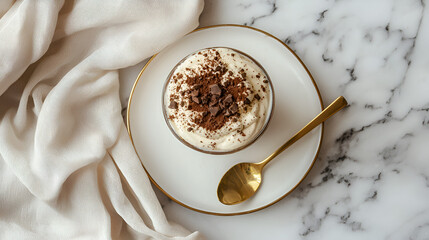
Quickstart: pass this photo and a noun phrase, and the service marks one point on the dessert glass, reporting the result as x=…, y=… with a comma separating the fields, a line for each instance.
x=180, y=134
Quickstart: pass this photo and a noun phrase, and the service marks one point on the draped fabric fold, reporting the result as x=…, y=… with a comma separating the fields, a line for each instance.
x=67, y=166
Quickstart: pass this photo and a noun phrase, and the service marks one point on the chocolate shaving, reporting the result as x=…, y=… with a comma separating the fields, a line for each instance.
x=214, y=111
x=196, y=99
x=173, y=105
x=215, y=89
x=246, y=101
x=195, y=93
x=233, y=108
x=257, y=97
x=228, y=99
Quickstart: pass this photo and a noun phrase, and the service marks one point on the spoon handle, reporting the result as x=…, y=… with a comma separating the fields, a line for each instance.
x=334, y=107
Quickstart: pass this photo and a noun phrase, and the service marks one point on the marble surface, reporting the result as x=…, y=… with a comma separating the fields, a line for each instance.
x=371, y=179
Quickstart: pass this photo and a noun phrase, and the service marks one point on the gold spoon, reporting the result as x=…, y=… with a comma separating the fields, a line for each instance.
x=242, y=180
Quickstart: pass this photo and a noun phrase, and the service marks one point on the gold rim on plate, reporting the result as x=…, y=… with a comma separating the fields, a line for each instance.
x=215, y=213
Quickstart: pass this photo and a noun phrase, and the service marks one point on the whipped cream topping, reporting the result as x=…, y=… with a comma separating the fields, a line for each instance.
x=218, y=100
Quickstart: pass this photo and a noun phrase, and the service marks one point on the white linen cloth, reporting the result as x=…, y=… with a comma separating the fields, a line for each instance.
x=60, y=117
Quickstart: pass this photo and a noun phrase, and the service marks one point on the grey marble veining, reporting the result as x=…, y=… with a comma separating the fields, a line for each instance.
x=371, y=179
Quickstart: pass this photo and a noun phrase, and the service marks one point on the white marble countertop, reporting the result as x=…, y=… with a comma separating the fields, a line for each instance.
x=371, y=179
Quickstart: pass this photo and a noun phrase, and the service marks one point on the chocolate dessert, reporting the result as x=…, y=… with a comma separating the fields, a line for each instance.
x=218, y=99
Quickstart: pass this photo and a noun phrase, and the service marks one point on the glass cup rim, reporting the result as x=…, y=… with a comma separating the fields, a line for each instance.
x=218, y=152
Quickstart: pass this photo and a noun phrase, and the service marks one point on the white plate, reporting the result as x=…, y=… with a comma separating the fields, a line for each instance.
x=190, y=177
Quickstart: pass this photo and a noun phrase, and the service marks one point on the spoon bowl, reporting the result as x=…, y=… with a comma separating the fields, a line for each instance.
x=242, y=181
